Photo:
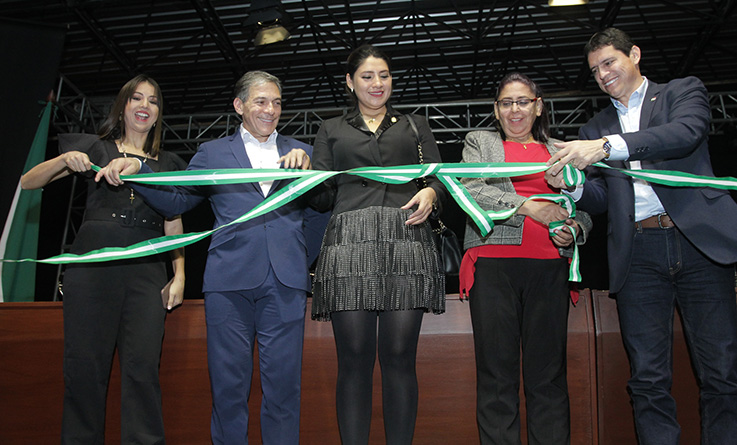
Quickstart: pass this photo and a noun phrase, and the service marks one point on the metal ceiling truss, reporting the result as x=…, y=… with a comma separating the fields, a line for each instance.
x=75, y=112
x=449, y=121
x=441, y=50
x=211, y=21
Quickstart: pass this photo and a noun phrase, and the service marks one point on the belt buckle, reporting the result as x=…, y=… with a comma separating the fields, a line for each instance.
x=660, y=221
x=127, y=217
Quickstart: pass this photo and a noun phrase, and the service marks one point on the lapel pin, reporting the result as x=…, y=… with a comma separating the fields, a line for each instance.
x=653, y=98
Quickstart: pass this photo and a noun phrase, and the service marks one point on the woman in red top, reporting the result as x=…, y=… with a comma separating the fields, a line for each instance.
x=516, y=277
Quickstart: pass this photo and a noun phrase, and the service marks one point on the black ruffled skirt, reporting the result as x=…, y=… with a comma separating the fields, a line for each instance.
x=371, y=260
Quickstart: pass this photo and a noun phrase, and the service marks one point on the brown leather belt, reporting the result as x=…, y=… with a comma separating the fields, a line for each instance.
x=661, y=221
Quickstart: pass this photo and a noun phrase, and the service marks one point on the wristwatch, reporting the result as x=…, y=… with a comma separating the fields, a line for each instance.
x=607, y=147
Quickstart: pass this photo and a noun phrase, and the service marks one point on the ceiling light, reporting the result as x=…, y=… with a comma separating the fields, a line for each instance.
x=271, y=33
x=567, y=2
x=269, y=16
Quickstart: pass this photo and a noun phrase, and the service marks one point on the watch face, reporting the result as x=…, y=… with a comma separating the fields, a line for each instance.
x=607, y=147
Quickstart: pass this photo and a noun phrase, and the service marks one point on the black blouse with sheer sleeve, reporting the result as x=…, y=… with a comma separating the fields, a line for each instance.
x=109, y=208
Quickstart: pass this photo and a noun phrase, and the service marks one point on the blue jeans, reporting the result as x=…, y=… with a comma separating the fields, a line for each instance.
x=667, y=271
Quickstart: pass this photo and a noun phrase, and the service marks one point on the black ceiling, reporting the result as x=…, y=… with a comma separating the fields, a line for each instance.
x=442, y=50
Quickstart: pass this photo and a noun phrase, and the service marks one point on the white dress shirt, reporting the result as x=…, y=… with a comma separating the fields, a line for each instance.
x=261, y=154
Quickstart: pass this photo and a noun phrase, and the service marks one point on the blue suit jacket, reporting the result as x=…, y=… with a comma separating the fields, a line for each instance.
x=673, y=135
x=240, y=255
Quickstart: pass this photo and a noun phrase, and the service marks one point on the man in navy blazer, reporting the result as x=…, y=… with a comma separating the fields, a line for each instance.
x=667, y=246
x=256, y=276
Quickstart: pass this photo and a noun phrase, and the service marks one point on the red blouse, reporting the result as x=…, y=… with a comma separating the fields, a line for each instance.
x=536, y=242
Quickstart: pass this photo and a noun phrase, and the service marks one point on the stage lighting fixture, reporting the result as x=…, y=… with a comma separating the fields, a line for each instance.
x=567, y=2
x=269, y=16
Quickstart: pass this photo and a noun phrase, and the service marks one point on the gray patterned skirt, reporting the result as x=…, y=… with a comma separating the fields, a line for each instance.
x=371, y=260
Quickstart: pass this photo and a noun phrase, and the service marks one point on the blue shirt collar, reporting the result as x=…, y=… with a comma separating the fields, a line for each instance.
x=635, y=99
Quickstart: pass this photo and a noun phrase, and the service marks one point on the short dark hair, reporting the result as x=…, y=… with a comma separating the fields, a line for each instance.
x=610, y=36
x=356, y=59
x=113, y=126
x=541, y=126
x=252, y=78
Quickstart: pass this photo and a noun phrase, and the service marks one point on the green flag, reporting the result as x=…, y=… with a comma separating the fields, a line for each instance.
x=20, y=234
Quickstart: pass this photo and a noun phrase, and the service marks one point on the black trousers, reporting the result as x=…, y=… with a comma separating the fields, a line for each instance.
x=109, y=305
x=519, y=303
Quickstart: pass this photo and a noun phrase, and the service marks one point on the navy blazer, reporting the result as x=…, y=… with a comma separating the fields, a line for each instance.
x=240, y=255
x=673, y=135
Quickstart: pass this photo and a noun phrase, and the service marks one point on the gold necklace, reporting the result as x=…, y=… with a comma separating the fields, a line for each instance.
x=125, y=154
x=524, y=144
x=371, y=120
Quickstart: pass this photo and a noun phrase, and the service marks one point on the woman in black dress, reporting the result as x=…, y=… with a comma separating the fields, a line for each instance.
x=119, y=303
x=378, y=269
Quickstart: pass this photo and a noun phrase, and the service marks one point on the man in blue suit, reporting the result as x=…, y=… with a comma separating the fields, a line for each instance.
x=256, y=276
x=667, y=246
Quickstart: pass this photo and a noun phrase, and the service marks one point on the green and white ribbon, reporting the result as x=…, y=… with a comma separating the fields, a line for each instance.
x=677, y=179
x=305, y=180
x=484, y=219
x=171, y=242
x=215, y=177
x=567, y=203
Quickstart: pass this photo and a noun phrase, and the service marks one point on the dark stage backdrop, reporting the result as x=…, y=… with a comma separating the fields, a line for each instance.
x=30, y=55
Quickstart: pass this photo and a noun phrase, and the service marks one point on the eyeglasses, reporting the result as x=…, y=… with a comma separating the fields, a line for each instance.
x=506, y=104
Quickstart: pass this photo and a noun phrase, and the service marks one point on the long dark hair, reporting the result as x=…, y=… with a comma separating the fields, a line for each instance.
x=541, y=126
x=356, y=59
x=114, y=127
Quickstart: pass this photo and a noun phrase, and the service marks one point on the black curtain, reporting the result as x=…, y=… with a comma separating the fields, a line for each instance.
x=30, y=55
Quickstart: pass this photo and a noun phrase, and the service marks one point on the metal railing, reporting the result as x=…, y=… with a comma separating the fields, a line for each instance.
x=449, y=121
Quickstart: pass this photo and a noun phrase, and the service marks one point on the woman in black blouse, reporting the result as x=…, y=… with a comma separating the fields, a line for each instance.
x=120, y=303
x=378, y=268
